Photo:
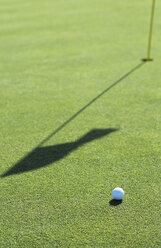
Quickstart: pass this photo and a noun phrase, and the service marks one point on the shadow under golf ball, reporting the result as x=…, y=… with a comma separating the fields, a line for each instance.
x=114, y=202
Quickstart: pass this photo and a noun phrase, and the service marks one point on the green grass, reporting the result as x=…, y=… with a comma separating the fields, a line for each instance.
x=56, y=57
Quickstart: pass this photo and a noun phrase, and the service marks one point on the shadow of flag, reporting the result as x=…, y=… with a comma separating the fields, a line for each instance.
x=44, y=156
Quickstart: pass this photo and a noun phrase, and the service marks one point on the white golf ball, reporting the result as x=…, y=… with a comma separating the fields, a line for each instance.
x=118, y=193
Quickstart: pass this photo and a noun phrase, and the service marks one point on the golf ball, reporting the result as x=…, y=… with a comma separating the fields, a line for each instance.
x=118, y=193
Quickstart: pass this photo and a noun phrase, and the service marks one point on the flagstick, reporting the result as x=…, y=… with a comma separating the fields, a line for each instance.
x=150, y=32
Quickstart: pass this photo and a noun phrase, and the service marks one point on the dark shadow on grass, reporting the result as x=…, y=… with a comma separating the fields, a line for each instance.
x=92, y=101
x=43, y=156
x=114, y=202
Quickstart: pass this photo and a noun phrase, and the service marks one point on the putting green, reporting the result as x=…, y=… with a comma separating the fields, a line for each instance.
x=80, y=115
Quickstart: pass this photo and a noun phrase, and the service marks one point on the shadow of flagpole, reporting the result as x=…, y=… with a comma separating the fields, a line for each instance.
x=30, y=157
x=90, y=103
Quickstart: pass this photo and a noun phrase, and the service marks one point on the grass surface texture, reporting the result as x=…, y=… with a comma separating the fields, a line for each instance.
x=80, y=114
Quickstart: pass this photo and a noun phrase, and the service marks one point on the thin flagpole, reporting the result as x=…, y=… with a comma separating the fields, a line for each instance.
x=150, y=31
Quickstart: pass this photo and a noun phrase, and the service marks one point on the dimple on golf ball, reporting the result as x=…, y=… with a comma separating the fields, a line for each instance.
x=118, y=193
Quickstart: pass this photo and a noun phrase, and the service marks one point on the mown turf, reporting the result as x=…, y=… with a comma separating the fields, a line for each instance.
x=67, y=68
